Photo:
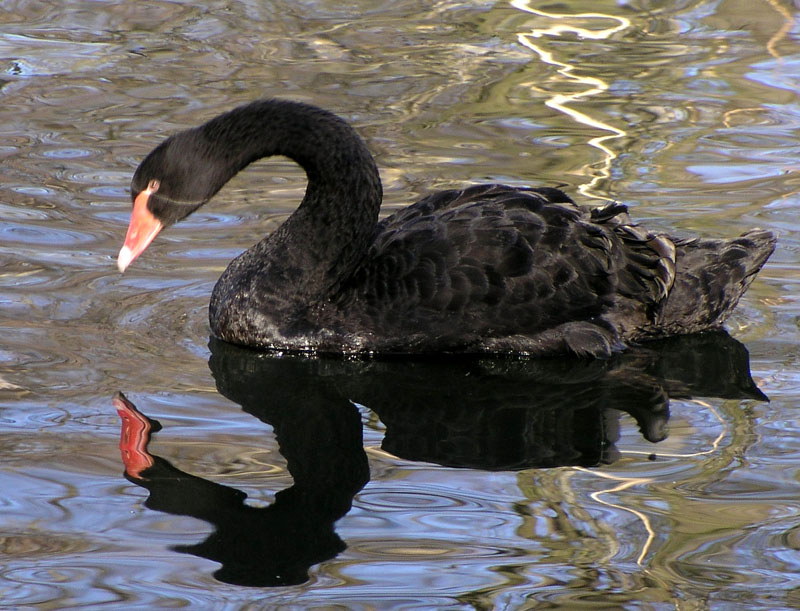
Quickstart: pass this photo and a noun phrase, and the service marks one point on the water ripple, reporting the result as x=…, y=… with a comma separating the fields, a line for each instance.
x=686, y=111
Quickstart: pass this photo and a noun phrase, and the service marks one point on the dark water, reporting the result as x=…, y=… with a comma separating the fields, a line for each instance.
x=489, y=484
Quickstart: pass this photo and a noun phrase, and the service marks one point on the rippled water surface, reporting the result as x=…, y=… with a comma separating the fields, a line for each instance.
x=489, y=485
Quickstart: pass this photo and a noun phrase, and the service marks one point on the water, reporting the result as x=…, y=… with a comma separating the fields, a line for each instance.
x=687, y=111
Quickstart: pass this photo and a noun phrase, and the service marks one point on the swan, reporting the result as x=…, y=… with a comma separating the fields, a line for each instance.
x=488, y=269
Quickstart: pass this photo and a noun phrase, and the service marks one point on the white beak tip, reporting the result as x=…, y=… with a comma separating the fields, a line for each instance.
x=124, y=258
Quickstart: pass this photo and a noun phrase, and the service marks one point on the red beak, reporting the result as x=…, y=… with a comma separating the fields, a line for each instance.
x=144, y=227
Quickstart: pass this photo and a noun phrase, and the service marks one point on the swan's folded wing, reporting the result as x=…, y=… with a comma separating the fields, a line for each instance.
x=492, y=260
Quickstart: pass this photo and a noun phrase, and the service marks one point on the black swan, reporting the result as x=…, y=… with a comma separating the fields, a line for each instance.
x=487, y=269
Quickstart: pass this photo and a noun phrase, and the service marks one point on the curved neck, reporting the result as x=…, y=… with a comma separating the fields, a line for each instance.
x=335, y=223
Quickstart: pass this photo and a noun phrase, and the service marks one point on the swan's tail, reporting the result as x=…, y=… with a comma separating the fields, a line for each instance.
x=711, y=276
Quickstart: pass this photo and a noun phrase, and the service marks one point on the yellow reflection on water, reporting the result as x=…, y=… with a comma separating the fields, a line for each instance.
x=562, y=102
x=788, y=24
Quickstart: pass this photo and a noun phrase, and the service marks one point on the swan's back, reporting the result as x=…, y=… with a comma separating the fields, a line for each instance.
x=498, y=269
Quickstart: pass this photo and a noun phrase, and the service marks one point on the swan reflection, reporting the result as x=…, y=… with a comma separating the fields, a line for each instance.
x=490, y=414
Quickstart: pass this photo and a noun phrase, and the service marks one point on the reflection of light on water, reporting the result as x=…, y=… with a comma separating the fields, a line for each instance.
x=560, y=28
x=788, y=24
x=624, y=484
x=627, y=482
x=594, y=86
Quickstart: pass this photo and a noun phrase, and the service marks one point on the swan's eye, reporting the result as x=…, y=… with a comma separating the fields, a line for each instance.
x=153, y=185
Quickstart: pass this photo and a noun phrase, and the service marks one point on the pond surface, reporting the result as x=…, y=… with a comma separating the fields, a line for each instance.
x=660, y=479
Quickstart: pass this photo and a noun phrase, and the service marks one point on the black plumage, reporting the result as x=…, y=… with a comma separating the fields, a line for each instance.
x=486, y=269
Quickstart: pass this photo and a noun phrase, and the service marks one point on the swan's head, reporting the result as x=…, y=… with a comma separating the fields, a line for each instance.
x=173, y=181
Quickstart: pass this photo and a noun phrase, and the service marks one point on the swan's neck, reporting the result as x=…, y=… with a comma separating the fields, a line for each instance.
x=324, y=240
x=279, y=287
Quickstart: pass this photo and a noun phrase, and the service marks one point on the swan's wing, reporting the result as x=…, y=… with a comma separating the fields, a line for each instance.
x=492, y=261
